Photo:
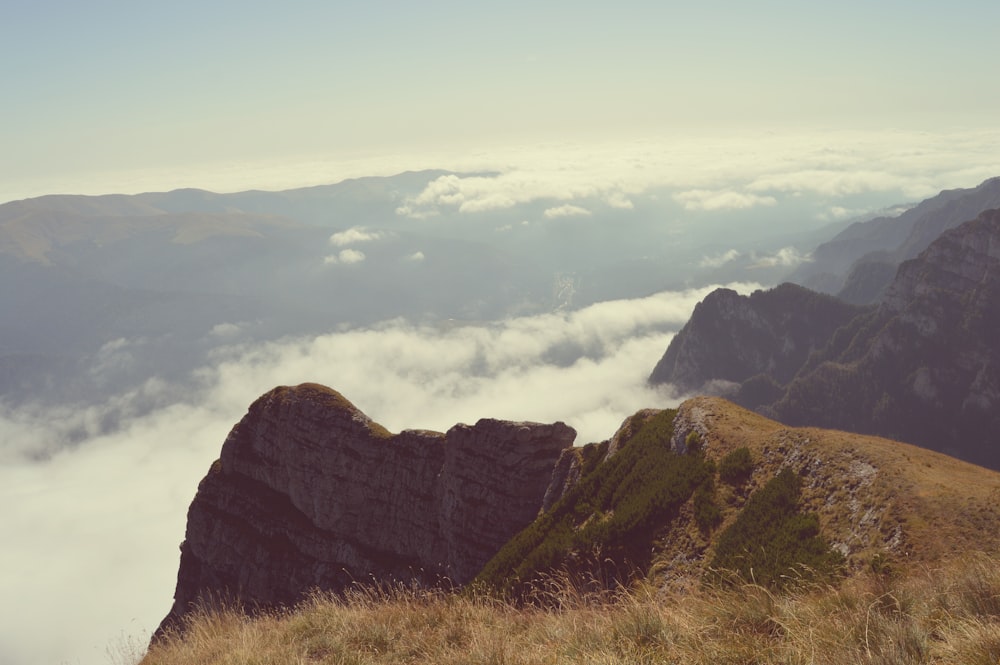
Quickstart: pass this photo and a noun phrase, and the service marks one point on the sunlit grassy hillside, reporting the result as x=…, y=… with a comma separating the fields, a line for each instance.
x=948, y=614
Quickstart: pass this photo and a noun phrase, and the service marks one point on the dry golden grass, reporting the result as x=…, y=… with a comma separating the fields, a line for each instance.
x=949, y=614
x=874, y=497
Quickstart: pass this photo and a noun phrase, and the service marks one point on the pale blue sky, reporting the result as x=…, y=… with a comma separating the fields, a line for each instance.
x=111, y=87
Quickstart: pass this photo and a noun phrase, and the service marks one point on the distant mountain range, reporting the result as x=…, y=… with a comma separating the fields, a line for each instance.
x=179, y=273
x=921, y=365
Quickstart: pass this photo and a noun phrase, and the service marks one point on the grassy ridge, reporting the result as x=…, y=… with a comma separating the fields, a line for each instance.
x=606, y=524
x=948, y=614
x=607, y=527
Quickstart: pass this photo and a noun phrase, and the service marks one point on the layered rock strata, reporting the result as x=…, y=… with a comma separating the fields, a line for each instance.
x=310, y=493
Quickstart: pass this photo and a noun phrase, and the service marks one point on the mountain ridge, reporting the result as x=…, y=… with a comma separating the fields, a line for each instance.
x=309, y=493
x=921, y=366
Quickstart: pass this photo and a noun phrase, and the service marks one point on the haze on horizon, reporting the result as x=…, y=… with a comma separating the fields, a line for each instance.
x=126, y=97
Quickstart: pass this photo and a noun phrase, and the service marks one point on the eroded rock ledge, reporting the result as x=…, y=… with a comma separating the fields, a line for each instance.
x=311, y=493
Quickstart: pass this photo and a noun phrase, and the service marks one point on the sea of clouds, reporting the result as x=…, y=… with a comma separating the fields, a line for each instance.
x=94, y=495
x=99, y=512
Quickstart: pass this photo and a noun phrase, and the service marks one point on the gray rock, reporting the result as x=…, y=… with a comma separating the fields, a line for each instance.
x=310, y=493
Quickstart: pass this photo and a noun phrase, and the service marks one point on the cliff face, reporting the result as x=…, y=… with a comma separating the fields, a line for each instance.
x=309, y=492
x=926, y=367
x=731, y=338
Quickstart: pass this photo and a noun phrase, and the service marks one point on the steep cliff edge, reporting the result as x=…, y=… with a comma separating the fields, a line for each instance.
x=731, y=338
x=925, y=367
x=311, y=493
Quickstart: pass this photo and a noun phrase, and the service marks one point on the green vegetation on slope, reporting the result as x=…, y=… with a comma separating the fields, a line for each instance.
x=772, y=542
x=607, y=523
x=735, y=468
x=609, y=527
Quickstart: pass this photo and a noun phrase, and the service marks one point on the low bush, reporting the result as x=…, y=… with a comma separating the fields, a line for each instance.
x=605, y=526
x=736, y=467
x=771, y=542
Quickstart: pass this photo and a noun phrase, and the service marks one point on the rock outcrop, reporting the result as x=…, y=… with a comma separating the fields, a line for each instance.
x=310, y=493
x=925, y=367
x=731, y=338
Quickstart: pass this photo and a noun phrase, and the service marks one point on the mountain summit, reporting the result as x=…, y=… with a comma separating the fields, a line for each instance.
x=311, y=493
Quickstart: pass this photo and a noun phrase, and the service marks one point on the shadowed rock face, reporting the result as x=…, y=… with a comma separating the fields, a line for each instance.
x=311, y=493
x=923, y=366
x=731, y=338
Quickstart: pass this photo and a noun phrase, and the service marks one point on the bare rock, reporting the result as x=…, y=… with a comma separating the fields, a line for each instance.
x=311, y=493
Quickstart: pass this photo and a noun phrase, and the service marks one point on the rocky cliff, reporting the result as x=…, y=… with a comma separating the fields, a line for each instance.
x=731, y=338
x=923, y=366
x=310, y=493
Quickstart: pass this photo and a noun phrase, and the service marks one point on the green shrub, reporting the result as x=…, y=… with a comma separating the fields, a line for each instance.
x=771, y=542
x=736, y=467
x=707, y=514
x=606, y=524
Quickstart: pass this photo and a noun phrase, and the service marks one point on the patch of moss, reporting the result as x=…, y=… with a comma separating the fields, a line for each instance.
x=606, y=524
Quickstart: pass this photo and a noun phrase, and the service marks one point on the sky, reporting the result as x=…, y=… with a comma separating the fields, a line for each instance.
x=128, y=96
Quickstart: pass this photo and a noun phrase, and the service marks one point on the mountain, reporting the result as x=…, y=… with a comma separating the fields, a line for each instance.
x=169, y=270
x=923, y=366
x=310, y=493
x=673, y=491
x=859, y=262
x=731, y=338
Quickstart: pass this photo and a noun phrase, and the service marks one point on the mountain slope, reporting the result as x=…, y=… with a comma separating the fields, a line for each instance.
x=731, y=338
x=873, y=499
x=926, y=367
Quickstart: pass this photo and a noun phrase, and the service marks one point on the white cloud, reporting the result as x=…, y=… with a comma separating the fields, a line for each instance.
x=354, y=235
x=345, y=256
x=830, y=182
x=706, y=199
x=225, y=330
x=719, y=259
x=566, y=210
x=788, y=257
x=738, y=171
x=619, y=200
x=416, y=256
x=100, y=521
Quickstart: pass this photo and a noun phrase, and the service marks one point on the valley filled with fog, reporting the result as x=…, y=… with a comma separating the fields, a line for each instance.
x=138, y=329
